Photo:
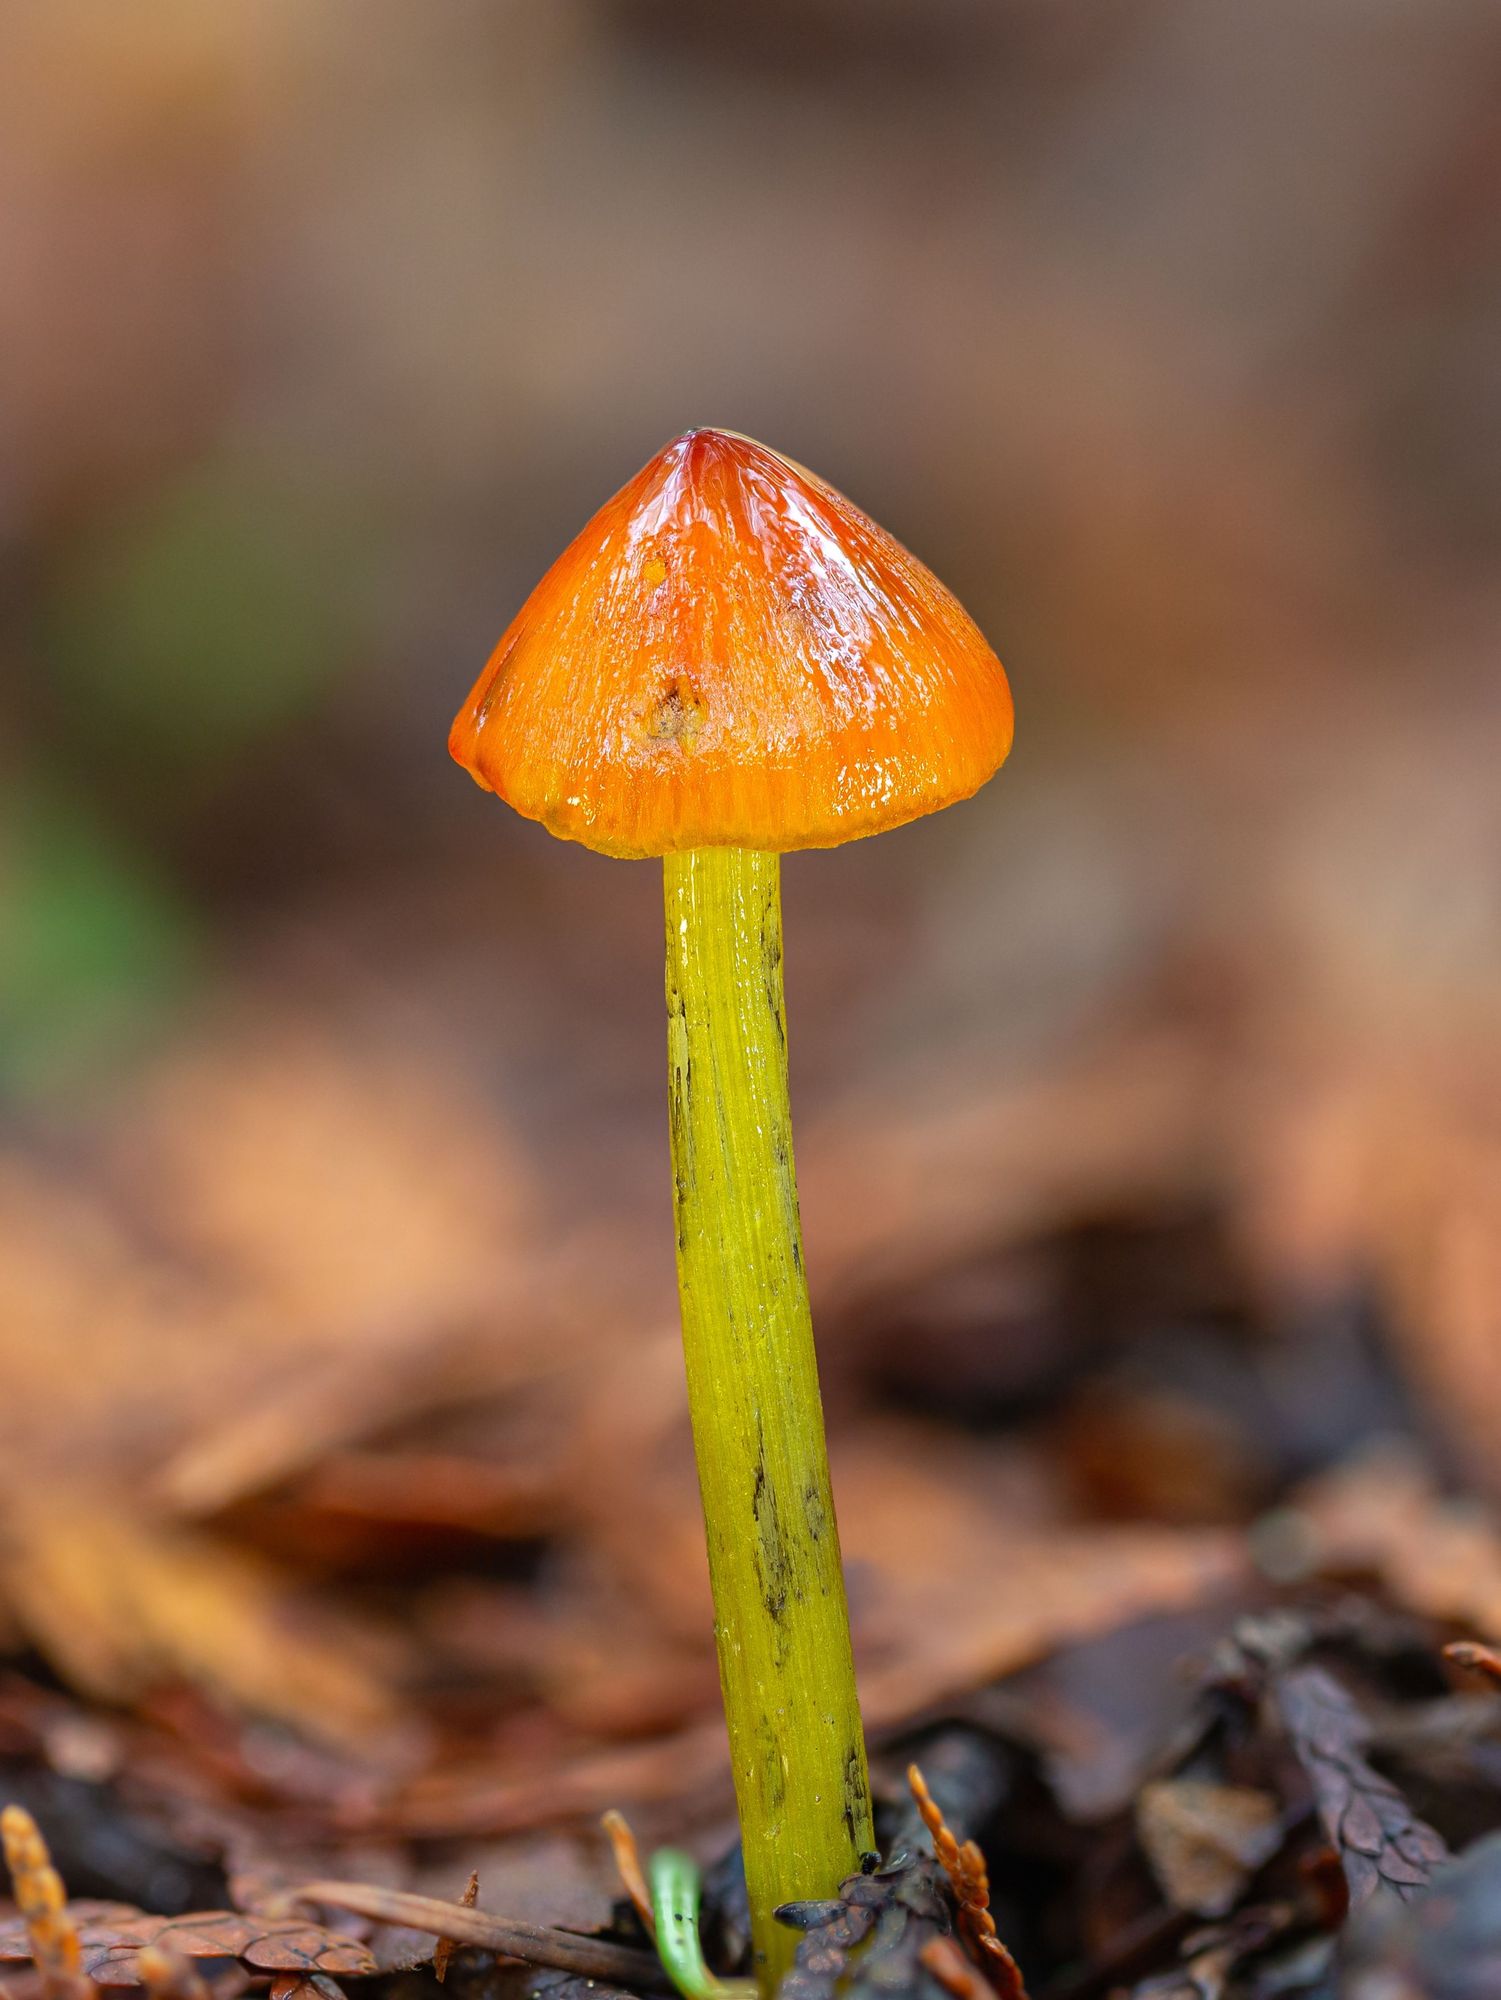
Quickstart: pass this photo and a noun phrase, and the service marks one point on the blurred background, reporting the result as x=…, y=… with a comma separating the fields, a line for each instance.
x=1150, y=1104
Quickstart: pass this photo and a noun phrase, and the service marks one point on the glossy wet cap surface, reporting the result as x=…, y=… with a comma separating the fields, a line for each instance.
x=732, y=654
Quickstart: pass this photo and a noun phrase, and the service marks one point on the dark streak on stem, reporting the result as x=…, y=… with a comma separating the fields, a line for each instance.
x=772, y=1562
x=856, y=1810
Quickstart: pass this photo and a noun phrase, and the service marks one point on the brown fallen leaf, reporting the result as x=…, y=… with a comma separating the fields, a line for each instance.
x=313, y=1409
x=1205, y=1841
x=1383, y=1515
x=234, y=1139
x=121, y=1605
x=495, y=1798
x=103, y=1344
x=1382, y=1157
x=901, y=1182
x=1060, y=1585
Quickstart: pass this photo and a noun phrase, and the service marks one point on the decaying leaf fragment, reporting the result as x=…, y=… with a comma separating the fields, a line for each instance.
x=1385, y=1515
x=120, y=1604
x=444, y=1949
x=1205, y=1841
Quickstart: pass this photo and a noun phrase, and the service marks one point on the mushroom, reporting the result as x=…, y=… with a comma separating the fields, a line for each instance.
x=731, y=662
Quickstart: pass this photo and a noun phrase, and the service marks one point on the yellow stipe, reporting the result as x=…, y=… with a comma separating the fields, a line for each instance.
x=781, y=1621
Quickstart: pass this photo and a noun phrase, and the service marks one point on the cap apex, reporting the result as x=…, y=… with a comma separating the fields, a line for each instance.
x=731, y=654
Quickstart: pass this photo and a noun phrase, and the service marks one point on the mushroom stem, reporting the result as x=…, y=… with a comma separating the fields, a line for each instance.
x=781, y=1621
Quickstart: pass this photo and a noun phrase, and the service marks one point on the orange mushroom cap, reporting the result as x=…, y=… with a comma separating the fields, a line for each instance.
x=732, y=655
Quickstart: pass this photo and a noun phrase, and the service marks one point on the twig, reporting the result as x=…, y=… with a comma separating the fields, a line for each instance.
x=565, y=1951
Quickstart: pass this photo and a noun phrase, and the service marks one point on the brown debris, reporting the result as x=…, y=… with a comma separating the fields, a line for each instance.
x=1205, y=1841
x=122, y=1604
x=1475, y=1658
x=1383, y=1514
x=534, y=1944
x=964, y=1865
x=628, y=1865
x=445, y=1947
x=954, y=1972
x=1211, y=1957
x=304, y=1986
x=51, y=1934
x=868, y=1940
x=167, y=1975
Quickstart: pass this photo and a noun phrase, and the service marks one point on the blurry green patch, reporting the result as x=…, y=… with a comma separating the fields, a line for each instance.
x=203, y=621
x=93, y=945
